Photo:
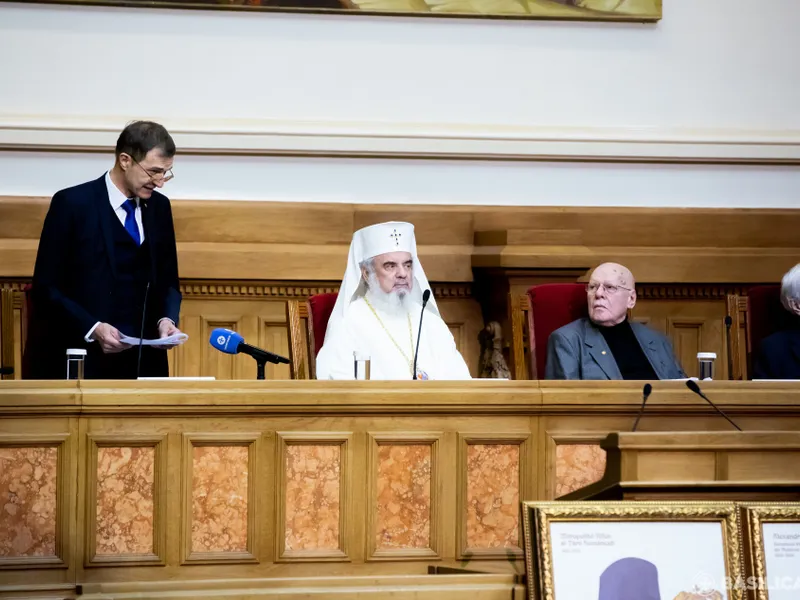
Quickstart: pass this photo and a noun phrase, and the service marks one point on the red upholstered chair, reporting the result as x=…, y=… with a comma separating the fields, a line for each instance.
x=320, y=308
x=552, y=305
x=307, y=323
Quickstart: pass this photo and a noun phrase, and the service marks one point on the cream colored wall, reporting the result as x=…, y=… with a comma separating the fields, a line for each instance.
x=713, y=81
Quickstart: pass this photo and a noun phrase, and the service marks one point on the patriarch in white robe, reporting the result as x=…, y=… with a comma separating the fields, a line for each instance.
x=378, y=310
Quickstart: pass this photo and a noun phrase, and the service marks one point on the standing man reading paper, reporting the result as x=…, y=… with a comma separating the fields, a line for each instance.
x=377, y=313
x=108, y=248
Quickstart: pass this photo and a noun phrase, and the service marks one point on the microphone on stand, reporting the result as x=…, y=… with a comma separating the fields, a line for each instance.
x=646, y=391
x=728, y=323
x=230, y=342
x=426, y=295
x=692, y=385
x=141, y=331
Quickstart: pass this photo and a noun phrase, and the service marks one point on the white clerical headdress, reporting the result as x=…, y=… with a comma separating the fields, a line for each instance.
x=394, y=236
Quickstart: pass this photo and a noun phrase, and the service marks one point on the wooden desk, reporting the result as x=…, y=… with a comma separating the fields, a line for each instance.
x=149, y=486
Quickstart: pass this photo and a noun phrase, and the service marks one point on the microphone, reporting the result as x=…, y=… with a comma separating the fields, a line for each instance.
x=646, y=391
x=230, y=342
x=141, y=331
x=426, y=295
x=728, y=323
x=692, y=385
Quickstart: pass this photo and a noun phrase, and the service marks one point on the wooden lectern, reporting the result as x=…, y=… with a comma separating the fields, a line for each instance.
x=702, y=465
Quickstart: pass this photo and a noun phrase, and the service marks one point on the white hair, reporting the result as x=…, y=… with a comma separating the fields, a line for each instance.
x=790, y=287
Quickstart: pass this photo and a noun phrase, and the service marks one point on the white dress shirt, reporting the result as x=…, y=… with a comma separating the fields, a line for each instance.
x=117, y=199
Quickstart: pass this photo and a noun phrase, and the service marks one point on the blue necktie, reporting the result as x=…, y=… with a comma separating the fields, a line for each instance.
x=130, y=220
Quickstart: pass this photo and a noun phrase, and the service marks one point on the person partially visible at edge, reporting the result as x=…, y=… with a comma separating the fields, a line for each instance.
x=606, y=345
x=108, y=248
x=778, y=356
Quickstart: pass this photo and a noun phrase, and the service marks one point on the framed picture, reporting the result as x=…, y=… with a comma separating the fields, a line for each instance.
x=582, y=10
x=772, y=546
x=632, y=551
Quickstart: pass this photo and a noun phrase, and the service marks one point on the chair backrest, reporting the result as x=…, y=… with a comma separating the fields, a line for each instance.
x=552, y=305
x=307, y=323
x=7, y=332
x=297, y=325
x=753, y=318
x=765, y=314
x=320, y=308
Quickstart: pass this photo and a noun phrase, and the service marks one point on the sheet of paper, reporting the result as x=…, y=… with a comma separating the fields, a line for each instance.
x=173, y=340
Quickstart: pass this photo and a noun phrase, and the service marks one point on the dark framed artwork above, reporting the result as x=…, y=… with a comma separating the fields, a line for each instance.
x=581, y=10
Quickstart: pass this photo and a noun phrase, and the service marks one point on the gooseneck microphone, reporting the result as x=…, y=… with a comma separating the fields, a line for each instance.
x=692, y=385
x=230, y=342
x=141, y=331
x=728, y=343
x=646, y=391
x=426, y=295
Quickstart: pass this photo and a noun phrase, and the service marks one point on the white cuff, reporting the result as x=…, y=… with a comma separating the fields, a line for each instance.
x=88, y=336
x=165, y=319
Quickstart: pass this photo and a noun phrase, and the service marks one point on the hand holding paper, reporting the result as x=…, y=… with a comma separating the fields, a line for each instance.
x=165, y=342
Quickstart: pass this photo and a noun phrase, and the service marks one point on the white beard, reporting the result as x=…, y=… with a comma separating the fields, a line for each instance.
x=394, y=303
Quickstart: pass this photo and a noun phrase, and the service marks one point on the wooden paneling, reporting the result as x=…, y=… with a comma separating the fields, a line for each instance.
x=521, y=421
x=693, y=325
x=309, y=241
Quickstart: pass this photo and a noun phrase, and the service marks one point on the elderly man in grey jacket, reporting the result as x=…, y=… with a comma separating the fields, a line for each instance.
x=607, y=345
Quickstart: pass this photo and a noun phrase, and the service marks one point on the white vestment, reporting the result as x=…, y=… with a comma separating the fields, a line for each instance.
x=361, y=331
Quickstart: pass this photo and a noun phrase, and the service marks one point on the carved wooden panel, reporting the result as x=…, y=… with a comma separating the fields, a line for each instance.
x=492, y=479
x=126, y=500
x=693, y=325
x=404, y=490
x=313, y=496
x=219, y=506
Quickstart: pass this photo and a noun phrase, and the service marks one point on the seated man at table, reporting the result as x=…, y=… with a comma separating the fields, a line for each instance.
x=607, y=345
x=779, y=354
x=378, y=310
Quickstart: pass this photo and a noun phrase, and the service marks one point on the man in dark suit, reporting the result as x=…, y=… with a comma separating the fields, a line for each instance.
x=779, y=354
x=607, y=345
x=107, y=264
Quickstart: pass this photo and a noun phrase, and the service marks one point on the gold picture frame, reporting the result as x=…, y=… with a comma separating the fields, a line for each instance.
x=643, y=11
x=759, y=577
x=605, y=543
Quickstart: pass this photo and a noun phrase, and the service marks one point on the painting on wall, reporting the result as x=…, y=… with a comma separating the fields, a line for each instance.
x=583, y=10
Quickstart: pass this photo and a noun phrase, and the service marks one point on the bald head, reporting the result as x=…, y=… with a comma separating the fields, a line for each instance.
x=612, y=292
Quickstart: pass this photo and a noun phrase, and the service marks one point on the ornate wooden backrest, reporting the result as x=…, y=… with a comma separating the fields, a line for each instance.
x=521, y=367
x=300, y=343
x=7, y=331
x=738, y=341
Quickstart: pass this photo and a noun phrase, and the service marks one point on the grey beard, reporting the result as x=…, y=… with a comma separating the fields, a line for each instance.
x=393, y=303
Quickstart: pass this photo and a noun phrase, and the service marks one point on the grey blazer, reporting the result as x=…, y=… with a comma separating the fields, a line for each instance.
x=579, y=351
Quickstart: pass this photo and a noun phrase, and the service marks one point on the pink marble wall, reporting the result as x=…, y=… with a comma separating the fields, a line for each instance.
x=404, y=497
x=578, y=465
x=312, y=496
x=493, y=495
x=219, y=498
x=125, y=494
x=28, y=501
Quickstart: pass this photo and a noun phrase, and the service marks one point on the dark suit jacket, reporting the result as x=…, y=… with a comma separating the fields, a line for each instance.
x=579, y=351
x=75, y=272
x=779, y=355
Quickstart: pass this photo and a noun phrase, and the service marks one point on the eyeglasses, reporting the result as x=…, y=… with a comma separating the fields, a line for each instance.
x=163, y=177
x=610, y=289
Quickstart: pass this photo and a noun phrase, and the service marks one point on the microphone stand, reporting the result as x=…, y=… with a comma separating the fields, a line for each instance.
x=425, y=297
x=141, y=331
